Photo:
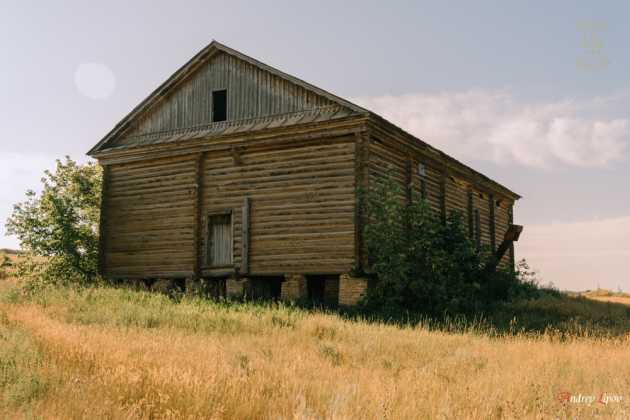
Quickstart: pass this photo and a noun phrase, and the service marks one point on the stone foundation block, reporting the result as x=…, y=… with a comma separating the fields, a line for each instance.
x=236, y=288
x=351, y=289
x=164, y=286
x=293, y=288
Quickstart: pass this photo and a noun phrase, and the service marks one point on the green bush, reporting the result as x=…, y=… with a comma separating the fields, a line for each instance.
x=60, y=225
x=425, y=265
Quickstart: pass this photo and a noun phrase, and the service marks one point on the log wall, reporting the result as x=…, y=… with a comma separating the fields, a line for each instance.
x=150, y=218
x=301, y=204
x=301, y=199
x=445, y=189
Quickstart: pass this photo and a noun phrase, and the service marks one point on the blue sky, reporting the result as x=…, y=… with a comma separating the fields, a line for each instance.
x=534, y=95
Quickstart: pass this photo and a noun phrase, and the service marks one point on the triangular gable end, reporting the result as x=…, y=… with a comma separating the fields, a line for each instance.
x=184, y=101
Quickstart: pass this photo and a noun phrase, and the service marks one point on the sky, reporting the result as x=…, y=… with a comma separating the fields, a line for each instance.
x=535, y=95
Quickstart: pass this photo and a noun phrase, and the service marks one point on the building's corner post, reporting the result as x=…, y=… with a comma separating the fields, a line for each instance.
x=470, y=213
x=293, y=288
x=102, y=229
x=245, y=232
x=197, y=216
x=443, y=176
x=493, y=234
x=361, y=169
x=351, y=289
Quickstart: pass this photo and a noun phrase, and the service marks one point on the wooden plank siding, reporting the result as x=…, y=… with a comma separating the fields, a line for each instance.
x=251, y=92
x=150, y=218
x=103, y=222
x=457, y=197
x=302, y=198
x=286, y=165
x=385, y=162
x=480, y=203
x=301, y=201
x=445, y=187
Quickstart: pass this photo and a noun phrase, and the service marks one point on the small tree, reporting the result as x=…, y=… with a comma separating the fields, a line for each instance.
x=61, y=223
x=423, y=264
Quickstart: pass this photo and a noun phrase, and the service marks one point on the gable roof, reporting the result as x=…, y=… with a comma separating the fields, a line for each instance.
x=338, y=108
x=193, y=64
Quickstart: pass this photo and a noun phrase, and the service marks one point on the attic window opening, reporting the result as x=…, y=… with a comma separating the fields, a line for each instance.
x=219, y=105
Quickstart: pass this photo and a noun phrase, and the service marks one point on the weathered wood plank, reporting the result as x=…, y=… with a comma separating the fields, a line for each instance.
x=493, y=235
x=103, y=232
x=298, y=191
x=470, y=206
x=443, y=176
x=245, y=236
x=197, y=214
x=251, y=92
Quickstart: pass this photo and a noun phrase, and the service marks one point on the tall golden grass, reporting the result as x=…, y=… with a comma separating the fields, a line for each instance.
x=111, y=353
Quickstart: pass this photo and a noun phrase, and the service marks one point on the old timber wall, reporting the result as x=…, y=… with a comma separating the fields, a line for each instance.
x=301, y=199
x=444, y=186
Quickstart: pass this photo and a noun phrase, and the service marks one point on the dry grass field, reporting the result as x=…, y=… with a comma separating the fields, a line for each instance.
x=8, y=258
x=604, y=295
x=112, y=353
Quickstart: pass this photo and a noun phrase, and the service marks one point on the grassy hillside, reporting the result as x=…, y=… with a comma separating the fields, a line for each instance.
x=111, y=353
x=559, y=313
x=604, y=295
x=9, y=251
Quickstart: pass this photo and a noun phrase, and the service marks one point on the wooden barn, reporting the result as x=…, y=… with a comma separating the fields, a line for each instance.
x=243, y=176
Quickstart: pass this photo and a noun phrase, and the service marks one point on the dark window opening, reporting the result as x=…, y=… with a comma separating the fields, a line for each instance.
x=323, y=290
x=219, y=105
x=220, y=240
x=264, y=288
x=315, y=291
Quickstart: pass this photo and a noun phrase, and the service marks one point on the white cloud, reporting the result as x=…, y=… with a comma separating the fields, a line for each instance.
x=95, y=80
x=579, y=255
x=493, y=125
